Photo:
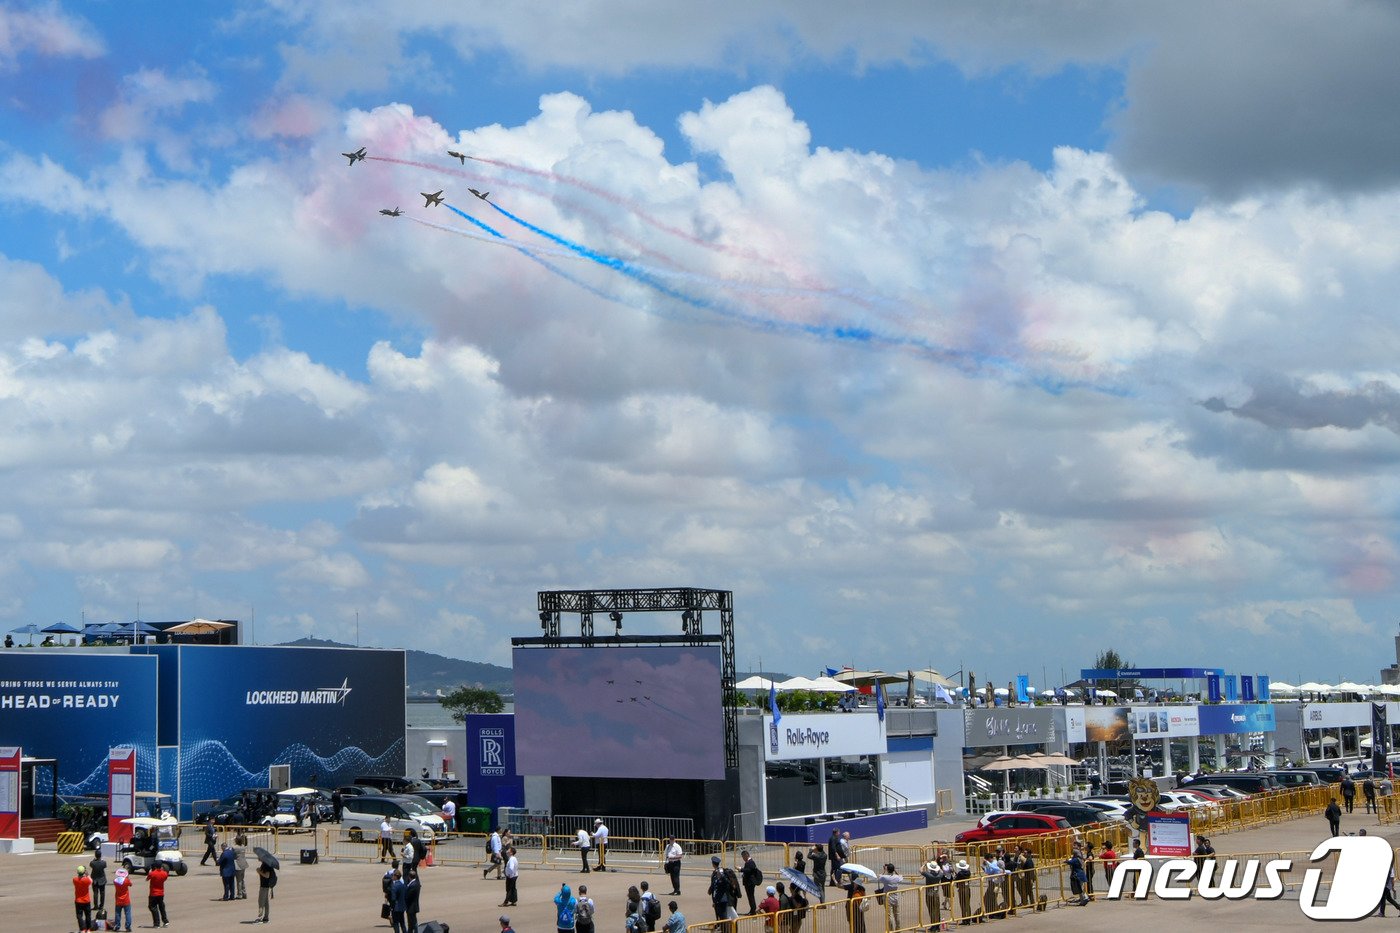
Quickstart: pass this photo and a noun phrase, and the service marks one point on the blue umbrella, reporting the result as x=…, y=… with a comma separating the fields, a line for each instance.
x=31, y=630
x=61, y=628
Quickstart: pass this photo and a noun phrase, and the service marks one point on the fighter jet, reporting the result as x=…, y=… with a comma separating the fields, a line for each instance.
x=431, y=199
x=480, y=194
x=460, y=156
x=357, y=156
x=388, y=213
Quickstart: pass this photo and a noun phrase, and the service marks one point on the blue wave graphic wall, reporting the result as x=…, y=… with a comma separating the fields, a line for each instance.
x=73, y=707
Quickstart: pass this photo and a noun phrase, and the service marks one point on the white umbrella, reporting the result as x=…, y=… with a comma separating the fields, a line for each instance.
x=1282, y=687
x=796, y=683
x=754, y=683
x=1347, y=686
x=830, y=685
x=929, y=675
x=1106, y=693
x=1313, y=686
x=198, y=627
x=852, y=868
x=297, y=792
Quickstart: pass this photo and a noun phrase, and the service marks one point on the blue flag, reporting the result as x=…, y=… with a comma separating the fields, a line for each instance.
x=880, y=701
x=773, y=703
x=832, y=672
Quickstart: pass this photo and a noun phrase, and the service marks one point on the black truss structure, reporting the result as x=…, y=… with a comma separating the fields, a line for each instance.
x=690, y=602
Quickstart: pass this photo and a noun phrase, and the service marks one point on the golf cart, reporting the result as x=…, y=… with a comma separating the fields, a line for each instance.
x=288, y=802
x=154, y=841
x=154, y=804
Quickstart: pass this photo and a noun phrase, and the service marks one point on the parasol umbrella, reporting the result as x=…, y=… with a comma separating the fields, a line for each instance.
x=267, y=858
x=31, y=630
x=829, y=685
x=854, y=868
x=798, y=880
x=198, y=627
x=62, y=628
x=868, y=678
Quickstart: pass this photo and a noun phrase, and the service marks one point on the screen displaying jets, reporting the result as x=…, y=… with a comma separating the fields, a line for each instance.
x=431, y=199
x=388, y=213
x=357, y=156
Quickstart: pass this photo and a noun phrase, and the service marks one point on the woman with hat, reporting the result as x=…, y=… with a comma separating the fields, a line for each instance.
x=856, y=904
x=962, y=880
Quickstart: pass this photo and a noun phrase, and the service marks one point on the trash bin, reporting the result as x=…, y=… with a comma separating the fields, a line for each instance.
x=474, y=819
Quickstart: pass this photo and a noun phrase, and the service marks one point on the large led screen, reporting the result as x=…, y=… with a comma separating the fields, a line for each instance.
x=619, y=712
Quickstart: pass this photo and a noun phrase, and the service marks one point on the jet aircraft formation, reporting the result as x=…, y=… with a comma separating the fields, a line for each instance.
x=811, y=310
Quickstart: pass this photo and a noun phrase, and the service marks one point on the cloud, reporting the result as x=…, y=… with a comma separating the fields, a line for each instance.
x=45, y=29
x=147, y=95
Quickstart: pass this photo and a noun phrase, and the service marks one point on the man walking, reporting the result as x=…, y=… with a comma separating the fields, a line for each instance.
x=1334, y=817
x=1348, y=792
x=493, y=852
x=412, y=890
x=210, y=838
x=1368, y=788
x=719, y=890
x=267, y=880
x=227, y=870
x=386, y=840
x=834, y=858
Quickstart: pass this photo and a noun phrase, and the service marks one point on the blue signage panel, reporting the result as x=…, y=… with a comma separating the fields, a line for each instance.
x=1247, y=688
x=1234, y=718
x=1261, y=688
x=1213, y=688
x=491, y=778
x=330, y=713
x=1232, y=692
x=1149, y=673
x=57, y=703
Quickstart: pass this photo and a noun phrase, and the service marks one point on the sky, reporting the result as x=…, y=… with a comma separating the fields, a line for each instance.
x=976, y=335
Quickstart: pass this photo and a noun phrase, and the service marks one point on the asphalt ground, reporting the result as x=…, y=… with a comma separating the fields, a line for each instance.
x=36, y=894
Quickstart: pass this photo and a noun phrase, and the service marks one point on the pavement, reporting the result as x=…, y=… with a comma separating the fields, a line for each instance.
x=36, y=894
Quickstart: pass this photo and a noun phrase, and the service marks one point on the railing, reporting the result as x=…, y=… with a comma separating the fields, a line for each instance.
x=633, y=826
x=891, y=799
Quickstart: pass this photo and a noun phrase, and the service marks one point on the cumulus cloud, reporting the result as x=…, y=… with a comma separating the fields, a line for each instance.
x=1028, y=444
x=45, y=29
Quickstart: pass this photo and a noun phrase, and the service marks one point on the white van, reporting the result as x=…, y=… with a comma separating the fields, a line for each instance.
x=362, y=816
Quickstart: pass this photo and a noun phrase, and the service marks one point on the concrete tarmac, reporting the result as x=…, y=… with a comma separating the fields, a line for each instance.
x=36, y=894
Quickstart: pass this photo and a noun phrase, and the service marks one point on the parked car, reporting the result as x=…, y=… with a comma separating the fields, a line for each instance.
x=1219, y=791
x=1111, y=809
x=390, y=784
x=1170, y=800
x=362, y=815
x=1011, y=824
x=355, y=790
x=1251, y=782
x=1297, y=777
x=1330, y=773
x=1036, y=804
x=436, y=798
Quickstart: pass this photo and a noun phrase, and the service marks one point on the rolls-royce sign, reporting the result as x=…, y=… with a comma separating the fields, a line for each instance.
x=823, y=735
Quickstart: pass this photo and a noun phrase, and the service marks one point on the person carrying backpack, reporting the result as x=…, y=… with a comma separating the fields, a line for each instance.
x=752, y=878
x=720, y=897
x=650, y=907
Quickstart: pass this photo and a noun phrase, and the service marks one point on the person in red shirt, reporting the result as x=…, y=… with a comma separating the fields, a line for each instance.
x=770, y=906
x=156, y=901
x=82, y=899
x=122, y=883
x=1109, y=859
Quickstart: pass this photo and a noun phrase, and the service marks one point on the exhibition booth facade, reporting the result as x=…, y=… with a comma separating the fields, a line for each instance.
x=206, y=721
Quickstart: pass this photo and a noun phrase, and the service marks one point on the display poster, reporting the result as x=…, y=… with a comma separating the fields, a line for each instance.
x=10, y=756
x=121, y=793
x=823, y=735
x=1168, y=834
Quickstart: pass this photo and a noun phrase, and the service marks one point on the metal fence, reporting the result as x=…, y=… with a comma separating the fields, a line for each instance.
x=652, y=827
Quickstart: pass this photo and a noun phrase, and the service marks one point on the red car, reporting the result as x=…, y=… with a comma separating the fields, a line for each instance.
x=1010, y=824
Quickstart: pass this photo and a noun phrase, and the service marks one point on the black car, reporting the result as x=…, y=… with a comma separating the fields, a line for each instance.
x=390, y=784
x=458, y=795
x=1036, y=804
x=1073, y=813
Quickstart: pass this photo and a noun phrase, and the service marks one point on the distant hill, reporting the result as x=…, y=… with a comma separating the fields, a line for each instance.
x=429, y=673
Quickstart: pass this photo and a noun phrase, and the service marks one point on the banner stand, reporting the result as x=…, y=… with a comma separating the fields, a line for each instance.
x=10, y=822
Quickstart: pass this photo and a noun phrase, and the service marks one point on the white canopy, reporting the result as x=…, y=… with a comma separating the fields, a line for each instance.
x=830, y=685
x=796, y=683
x=754, y=683
x=1313, y=686
x=1105, y=693
x=1282, y=687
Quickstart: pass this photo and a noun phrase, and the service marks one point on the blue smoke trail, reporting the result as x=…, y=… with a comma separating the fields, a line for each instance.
x=524, y=251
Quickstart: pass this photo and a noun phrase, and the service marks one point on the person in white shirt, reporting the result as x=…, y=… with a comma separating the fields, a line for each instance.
x=449, y=814
x=512, y=872
x=584, y=843
x=673, y=855
x=493, y=850
x=386, y=839
x=600, y=842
